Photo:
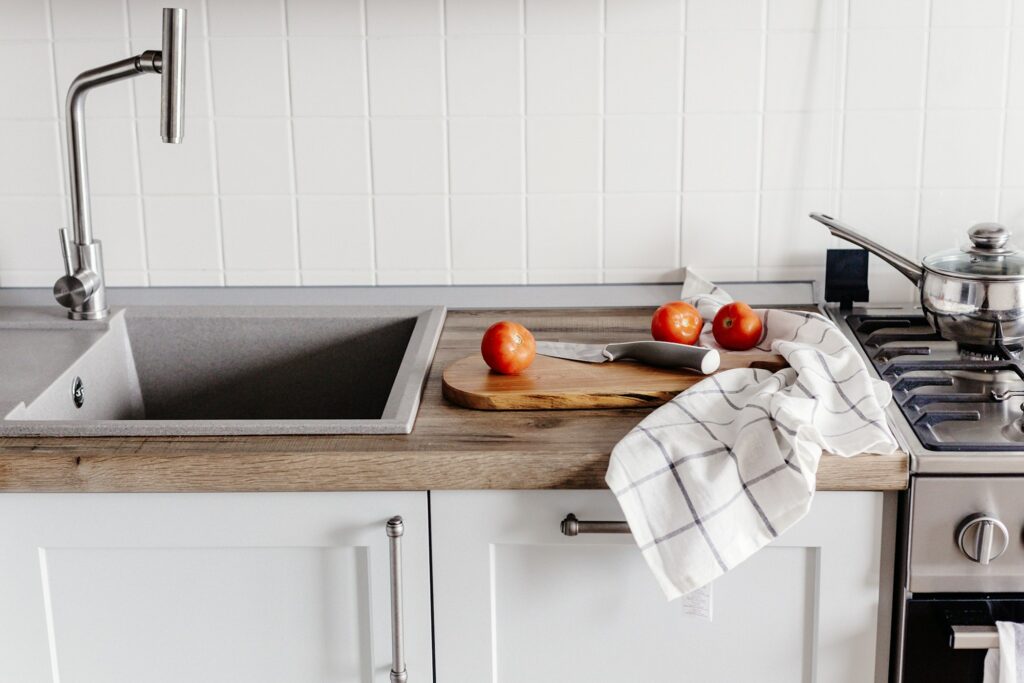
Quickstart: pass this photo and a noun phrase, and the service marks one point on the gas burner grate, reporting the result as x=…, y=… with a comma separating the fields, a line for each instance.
x=932, y=391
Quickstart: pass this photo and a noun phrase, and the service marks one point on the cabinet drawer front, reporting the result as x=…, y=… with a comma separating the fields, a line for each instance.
x=518, y=602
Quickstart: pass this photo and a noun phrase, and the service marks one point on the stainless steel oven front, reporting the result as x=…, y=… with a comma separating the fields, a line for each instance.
x=962, y=570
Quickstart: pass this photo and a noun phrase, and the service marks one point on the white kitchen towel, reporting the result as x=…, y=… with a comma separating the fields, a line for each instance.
x=725, y=467
x=1006, y=665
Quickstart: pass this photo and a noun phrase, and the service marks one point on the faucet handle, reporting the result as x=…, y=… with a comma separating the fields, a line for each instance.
x=65, y=250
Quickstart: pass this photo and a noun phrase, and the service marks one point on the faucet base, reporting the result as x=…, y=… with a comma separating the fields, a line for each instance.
x=89, y=315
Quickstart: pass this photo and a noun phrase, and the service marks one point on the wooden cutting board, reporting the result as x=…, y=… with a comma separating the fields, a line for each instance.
x=557, y=384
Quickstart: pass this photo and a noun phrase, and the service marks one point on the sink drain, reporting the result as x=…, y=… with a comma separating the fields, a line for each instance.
x=78, y=392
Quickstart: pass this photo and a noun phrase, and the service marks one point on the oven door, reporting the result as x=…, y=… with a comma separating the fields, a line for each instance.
x=947, y=636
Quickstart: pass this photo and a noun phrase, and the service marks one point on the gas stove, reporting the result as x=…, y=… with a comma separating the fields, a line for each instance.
x=955, y=409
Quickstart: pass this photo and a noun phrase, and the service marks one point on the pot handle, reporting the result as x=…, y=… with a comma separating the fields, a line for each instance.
x=910, y=270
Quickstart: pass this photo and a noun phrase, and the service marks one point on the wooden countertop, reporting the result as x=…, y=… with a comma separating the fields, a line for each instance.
x=450, y=447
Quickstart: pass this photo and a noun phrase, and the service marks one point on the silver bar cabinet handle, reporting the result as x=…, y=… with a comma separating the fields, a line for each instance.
x=974, y=638
x=574, y=527
x=395, y=529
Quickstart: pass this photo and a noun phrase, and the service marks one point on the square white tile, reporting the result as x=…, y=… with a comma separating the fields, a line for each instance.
x=947, y=215
x=719, y=230
x=30, y=162
x=889, y=13
x=563, y=75
x=335, y=18
x=413, y=277
x=24, y=20
x=26, y=68
x=403, y=17
x=1013, y=150
x=642, y=154
x=76, y=20
x=886, y=69
x=405, y=76
x=186, y=278
x=643, y=74
x=724, y=14
x=254, y=156
x=112, y=156
x=28, y=235
x=641, y=231
x=412, y=233
x=489, y=277
x=74, y=57
x=886, y=216
x=249, y=77
x=720, y=152
x=801, y=71
x=1015, y=93
x=961, y=148
x=336, y=278
x=486, y=155
x=803, y=15
x=182, y=233
x=117, y=222
x=723, y=71
x=485, y=75
x=331, y=156
x=563, y=232
x=966, y=68
x=567, y=276
x=788, y=238
x=799, y=150
x=259, y=18
x=327, y=76
x=562, y=17
x=335, y=233
x=483, y=16
x=488, y=233
x=962, y=13
x=563, y=155
x=644, y=16
x=186, y=168
x=881, y=149
x=408, y=156
x=259, y=234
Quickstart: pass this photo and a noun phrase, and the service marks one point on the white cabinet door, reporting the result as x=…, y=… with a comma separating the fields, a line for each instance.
x=262, y=587
x=517, y=602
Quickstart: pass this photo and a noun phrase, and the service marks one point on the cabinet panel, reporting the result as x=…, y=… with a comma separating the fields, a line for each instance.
x=517, y=602
x=208, y=587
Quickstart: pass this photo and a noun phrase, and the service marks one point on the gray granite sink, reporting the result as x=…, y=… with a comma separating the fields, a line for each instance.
x=211, y=370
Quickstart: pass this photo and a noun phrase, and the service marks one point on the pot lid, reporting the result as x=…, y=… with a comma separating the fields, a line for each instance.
x=989, y=255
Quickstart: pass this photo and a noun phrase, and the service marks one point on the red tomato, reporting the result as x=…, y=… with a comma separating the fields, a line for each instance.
x=676, y=321
x=508, y=347
x=736, y=327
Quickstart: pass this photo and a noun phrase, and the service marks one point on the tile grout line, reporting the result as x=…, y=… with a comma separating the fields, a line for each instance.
x=140, y=209
x=922, y=139
x=293, y=167
x=368, y=130
x=524, y=147
x=839, y=122
x=447, y=133
x=762, y=105
x=602, y=159
x=215, y=151
x=680, y=145
x=65, y=193
x=1004, y=118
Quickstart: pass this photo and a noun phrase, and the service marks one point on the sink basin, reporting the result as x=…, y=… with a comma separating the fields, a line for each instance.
x=216, y=370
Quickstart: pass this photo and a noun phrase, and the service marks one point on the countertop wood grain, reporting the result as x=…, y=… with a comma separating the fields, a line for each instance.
x=449, y=448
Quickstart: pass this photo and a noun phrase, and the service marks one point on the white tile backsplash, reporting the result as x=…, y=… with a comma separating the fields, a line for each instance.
x=507, y=141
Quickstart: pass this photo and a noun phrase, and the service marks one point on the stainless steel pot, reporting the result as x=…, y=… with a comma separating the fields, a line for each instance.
x=973, y=295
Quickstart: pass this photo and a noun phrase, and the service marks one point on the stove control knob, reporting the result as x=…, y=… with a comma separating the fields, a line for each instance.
x=982, y=538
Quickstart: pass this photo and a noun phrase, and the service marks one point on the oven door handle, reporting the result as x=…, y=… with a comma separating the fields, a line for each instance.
x=974, y=638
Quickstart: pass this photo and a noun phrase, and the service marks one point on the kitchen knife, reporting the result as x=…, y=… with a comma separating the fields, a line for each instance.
x=657, y=353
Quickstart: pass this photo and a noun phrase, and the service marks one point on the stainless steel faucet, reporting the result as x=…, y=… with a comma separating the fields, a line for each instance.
x=81, y=288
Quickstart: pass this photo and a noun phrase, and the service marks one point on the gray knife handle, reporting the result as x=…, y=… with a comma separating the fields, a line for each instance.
x=666, y=355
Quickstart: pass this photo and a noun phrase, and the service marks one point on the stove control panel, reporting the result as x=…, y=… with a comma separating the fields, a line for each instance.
x=982, y=538
x=966, y=535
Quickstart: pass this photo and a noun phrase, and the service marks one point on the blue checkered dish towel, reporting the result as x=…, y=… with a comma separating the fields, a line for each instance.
x=725, y=467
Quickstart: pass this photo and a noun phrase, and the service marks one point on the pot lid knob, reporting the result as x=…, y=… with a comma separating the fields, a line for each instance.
x=989, y=236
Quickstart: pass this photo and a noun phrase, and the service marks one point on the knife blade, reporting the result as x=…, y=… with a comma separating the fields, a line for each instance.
x=656, y=353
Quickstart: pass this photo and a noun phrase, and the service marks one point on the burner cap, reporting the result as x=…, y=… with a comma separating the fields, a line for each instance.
x=979, y=352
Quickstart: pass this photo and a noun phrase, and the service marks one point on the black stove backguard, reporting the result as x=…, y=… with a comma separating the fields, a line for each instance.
x=927, y=653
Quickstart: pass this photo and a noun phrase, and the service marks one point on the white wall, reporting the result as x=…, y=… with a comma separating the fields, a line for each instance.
x=468, y=141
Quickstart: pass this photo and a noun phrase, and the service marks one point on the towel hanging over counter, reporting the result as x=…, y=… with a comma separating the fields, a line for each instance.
x=717, y=473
